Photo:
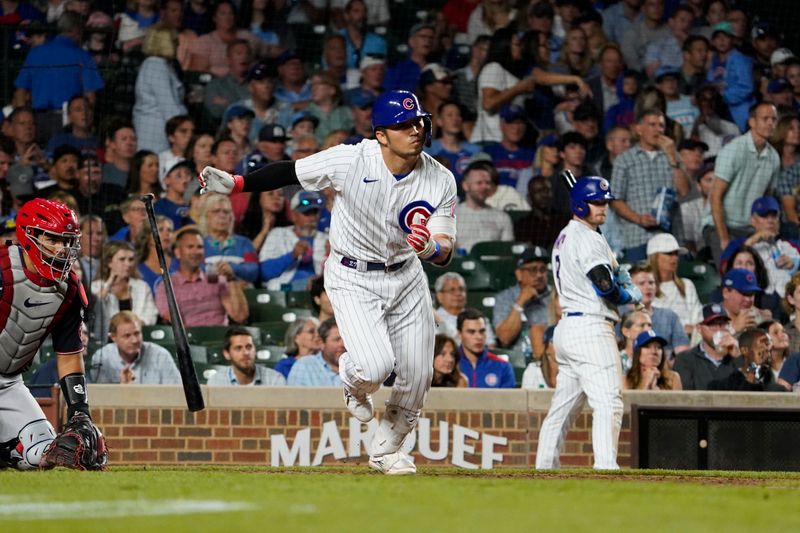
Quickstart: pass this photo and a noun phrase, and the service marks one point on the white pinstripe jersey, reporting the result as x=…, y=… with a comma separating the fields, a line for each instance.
x=577, y=250
x=373, y=209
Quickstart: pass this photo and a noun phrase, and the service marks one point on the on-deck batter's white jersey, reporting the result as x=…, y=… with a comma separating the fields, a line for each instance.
x=373, y=209
x=577, y=250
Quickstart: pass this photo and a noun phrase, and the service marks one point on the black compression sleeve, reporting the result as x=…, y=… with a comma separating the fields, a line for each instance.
x=270, y=177
x=603, y=281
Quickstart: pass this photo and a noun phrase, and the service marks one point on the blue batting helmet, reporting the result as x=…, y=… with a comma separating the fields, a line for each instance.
x=589, y=189
x=395, y=107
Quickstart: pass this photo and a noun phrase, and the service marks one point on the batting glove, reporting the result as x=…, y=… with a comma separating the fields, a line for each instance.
x=623, y=276
x=420, y=240
x=215, y=180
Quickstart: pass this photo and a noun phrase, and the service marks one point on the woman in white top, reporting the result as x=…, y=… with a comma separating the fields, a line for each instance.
x=506, y=78
x=120, y=288
x=672, y=292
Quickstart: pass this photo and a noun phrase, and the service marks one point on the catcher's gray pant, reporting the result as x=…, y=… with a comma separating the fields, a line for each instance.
x=386, y=321
x=588, y=368
x=22, y=422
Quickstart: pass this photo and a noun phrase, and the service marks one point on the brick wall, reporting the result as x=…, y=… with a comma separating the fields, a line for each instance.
x=147, y=425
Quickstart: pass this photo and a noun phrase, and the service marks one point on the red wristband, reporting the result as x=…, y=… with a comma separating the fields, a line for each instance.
x=238, y=184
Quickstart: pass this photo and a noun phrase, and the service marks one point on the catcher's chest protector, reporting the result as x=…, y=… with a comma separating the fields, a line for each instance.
x=27, y=311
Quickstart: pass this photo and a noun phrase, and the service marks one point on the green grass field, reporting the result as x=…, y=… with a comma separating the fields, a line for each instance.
x=353, y=499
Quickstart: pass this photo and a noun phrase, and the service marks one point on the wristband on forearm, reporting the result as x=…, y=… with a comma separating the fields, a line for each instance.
x=73, y=386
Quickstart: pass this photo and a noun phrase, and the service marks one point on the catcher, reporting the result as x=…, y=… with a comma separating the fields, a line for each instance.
x=41, y=296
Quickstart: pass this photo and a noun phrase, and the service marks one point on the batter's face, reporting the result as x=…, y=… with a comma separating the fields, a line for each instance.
x=597, y=213
x=445, y=361
x=128, y=339
x=650, y=354
x=405, y=139
x=242, y=354
x=473, y=335
x=647, y=284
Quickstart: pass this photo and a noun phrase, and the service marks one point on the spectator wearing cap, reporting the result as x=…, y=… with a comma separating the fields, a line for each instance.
x=604, y=84
x=261, y=98
x=294, y=89
x=46, y=90
x=649, y=28
x=619, y=17
x=208, y=53
x=451, y=297
x=226, y=253
x=779, y=61
x=715, y=357
x=476, y=221
x=754, y=374
x=679, y=106
x=361, y=108
x=223, y=91
x=63, y=173
x=572, y=150
x=764, y=41
x=504, y=80
x=359, y=41
x=667, y=51
x=639, y=173
x=538, y=373
x=780, y=257
x=79, y=129
x=694, y=211
x=739, y=290
x=747, y=168
x=173, y=204
x=695, y=51
x=303, y=123
x=159, y=90
x=732, y=72
x=511, y=159
x=435, y=86
x=270, y=147
x=451, y=143
x=524, y=305
x=405, y=74
x=665, y=320
x=327, y=105
x=781, y=94
x=672, y=291
x=650, y=369
x=179, y=130
x=372, y=73
x=465, y=81
x=294, y=253
x=225, y=155
x=545, y=221
x=93, y=192
x=236, y=126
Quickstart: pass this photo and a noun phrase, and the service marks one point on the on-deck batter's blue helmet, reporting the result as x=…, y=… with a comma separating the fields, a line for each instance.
x=589, y=189
x=394, y=107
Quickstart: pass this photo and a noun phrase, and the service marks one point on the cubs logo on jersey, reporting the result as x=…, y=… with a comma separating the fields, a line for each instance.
x=412, y=212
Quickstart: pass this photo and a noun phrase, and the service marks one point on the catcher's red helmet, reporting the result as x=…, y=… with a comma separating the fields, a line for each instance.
x=49, y=233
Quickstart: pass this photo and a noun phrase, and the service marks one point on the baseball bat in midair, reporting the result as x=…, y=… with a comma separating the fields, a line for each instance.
x=191, y=387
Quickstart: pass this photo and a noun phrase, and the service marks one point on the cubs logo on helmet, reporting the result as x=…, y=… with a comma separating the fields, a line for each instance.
x=411, y=214
x=408, y=103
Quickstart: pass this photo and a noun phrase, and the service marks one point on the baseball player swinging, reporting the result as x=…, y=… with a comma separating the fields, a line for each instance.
x=590, y=285
x=41, y=296
x=394, y=204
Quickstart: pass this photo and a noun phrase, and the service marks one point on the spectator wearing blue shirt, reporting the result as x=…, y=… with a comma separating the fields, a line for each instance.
x=301, y=340
x=227, y=253
x=172, y=203
x=293, y=90
x=405, y=74
x=322, y=368
x=511, y=159
x=732, y=72
x=359, y=42
x=48, y=89
x=482, y=368
x=452, y=144
x=149, y=266
x=78, y=131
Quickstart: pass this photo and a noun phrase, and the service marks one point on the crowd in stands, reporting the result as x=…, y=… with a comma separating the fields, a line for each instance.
x=691, y=109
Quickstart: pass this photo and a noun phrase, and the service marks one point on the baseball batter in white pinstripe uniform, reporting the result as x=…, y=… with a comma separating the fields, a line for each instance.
x=394, y=205
x=590, y=286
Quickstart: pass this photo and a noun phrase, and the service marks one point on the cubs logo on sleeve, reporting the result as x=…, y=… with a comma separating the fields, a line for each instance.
x=411, y=212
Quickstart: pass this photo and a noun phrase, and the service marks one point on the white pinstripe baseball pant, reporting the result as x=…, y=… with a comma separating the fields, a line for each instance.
x=588, y=368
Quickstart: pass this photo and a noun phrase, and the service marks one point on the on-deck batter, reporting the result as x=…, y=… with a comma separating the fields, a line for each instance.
x=393, y=204
x=590, y=286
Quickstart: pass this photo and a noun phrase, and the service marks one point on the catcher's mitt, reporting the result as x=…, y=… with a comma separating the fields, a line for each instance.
x=80, y=446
